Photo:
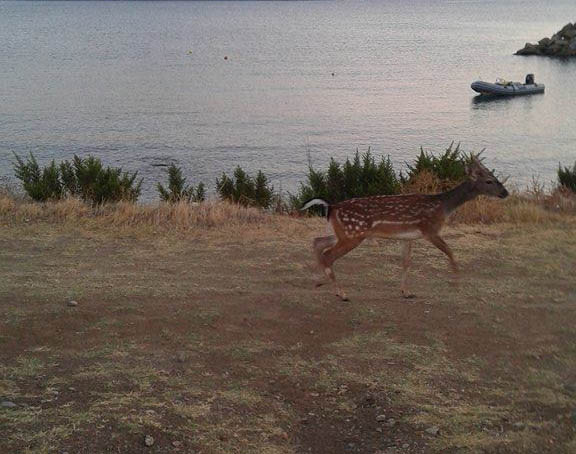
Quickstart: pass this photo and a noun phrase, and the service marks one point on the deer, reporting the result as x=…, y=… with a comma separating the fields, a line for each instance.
x=406, y=217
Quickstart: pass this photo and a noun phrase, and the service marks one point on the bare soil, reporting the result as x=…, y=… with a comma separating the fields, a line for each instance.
x=217, y=343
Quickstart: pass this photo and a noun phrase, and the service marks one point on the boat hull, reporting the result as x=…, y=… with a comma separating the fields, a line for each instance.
x=515, y=89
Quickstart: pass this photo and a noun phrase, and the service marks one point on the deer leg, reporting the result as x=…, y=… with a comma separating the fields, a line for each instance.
x=406, y=259
x=319, y=245
x=441, y=244
x=331, y=254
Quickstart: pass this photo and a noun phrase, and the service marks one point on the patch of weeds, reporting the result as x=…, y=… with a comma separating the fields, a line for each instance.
x=193, y=410
x=248, y=349
x=27, y=367
x=241, y=396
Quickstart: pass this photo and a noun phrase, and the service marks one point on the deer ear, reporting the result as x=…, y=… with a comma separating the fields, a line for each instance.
x=473, y=168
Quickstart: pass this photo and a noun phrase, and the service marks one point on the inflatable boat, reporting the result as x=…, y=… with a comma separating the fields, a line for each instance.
x=506, y=88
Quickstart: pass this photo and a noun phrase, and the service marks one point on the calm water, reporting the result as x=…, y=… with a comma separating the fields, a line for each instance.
x=141, y=84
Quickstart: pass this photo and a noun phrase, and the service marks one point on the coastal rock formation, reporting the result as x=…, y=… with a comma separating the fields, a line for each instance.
x=562, y=44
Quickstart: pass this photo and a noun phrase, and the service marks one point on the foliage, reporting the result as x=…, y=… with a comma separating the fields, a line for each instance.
x=449, y=167
x=361, y=177
x=85, y=178
x=245, y=190
x=88, y=179
x=40, y=184
x=178, y=190
x=567, y=177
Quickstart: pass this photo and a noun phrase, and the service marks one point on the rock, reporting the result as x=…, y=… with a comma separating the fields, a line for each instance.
x=148, y=440
x=181, y=357
x=72, y=303
x=405, y=446
x=391, y=422
x=570, y=34
x=8, y=404
x=561, y=44
x=529, y=49
x=568, y=31
x=176, y=444
x=434, y=431
x=544, y=42
x=381, y=418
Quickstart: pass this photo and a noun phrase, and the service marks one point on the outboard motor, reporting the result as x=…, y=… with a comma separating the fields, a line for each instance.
x=529, y=79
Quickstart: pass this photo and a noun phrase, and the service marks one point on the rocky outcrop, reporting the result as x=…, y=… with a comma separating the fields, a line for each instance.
x=562, y=44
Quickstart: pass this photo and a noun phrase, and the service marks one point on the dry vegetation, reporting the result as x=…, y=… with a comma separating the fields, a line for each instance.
x=536, y=206
x=200, y=326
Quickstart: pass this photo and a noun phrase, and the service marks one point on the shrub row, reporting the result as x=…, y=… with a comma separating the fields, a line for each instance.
x=361, y=176
x=85, y=178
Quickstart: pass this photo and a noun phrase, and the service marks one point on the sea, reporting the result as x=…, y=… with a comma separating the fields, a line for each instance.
x=280, y=85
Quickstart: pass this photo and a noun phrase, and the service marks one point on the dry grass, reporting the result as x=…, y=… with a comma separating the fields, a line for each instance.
x=534, y=206
x=148, y=218
x=227, y=347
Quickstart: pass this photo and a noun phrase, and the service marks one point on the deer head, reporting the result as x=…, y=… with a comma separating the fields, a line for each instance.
x=483, y=180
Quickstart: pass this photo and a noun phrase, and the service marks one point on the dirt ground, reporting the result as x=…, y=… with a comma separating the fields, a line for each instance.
x=212, y=343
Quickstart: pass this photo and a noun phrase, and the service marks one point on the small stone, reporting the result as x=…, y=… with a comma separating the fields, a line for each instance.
x=381, y=418
x=315, y=394
x=342, y=389
x=176, y=444
x=8, y=404
x=391, y=422
x=434, y=430
x=148, y=440
x=405, y=446
x=72, y=303
x=181, y=357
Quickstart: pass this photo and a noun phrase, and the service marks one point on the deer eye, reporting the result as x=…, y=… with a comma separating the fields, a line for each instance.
x=489, y=182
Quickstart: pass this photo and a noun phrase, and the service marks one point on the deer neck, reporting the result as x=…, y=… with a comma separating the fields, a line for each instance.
x=458, y=196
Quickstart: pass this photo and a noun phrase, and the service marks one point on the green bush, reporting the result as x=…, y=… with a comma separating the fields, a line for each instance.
x=88, y=179
x=567, y=177
x=178, y=190
x=85, y=178
x=361, y=177
x=40, y=184
x=449, y=167
x=245, y=190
